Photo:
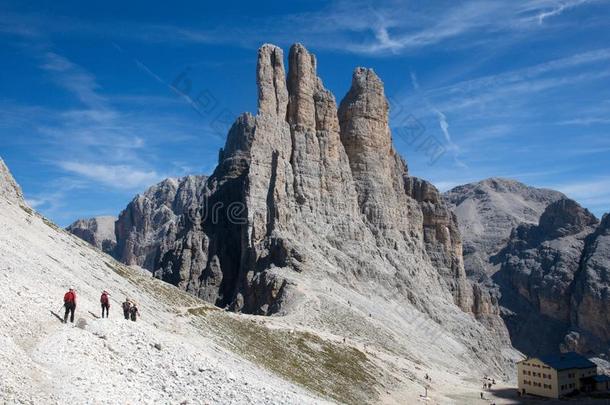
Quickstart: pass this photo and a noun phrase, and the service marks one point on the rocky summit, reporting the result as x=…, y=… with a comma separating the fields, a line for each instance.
x=488, y=211
x=554, y=274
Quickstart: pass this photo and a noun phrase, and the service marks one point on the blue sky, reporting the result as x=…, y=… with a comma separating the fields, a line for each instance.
x=517, y=89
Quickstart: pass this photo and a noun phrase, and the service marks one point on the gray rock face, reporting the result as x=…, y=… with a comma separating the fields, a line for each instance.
x=9, y=189
x=542, y=279
x=444, y=247
x=98, y=231
x=149, y=220
x=488, y=211
x=314, y=179
x=591, y=297
x=310, y=177
x=540, y=255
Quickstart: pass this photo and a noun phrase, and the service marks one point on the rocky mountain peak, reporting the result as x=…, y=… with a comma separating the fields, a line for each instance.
x=366, y=100
x=9, y=189
x=98, y=231
x=488, y=211
x=303, y=84
x=271, y=81
x=565, y=217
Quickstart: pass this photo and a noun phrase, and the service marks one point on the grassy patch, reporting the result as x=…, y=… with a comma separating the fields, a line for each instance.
x=27, y=209
x=200, y=311
x=167, y=293
x=51, y=224
x=333, y=370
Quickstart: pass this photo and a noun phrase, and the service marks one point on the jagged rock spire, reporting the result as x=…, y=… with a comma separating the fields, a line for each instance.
x=271, y=80
x=377, y=169
x=302, y=85
x=9, y=189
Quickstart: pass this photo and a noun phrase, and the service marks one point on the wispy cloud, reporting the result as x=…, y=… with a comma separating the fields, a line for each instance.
x=449, y=145
x=558, y=9
x=115, y=176
x=531, y=73
x=76, y=80
x=358, y=26
x=501, y=93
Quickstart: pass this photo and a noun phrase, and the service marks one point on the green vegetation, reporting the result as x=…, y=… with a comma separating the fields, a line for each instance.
x=200, y=311
x=167, y=293
x=51, y=224
x=27, y=209
x=331, y=369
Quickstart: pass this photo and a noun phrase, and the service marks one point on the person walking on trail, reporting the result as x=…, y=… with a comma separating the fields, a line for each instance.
x=133, y=311
x=70, y=304
x=105, y=301
x=126, y=308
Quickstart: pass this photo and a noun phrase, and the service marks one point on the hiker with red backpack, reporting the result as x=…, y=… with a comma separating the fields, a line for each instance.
x=70, y=304
x=105, y=301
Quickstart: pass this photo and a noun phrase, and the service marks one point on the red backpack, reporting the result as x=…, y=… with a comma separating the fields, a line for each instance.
x=69, y=297
x=104, y=299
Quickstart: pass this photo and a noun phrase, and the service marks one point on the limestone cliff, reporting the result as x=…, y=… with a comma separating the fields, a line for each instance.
x=549, y=284
x=149, y=220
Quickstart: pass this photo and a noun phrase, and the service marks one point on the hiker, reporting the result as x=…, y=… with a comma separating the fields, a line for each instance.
x=133, y=311
x=126, y=308
x=69, y=304
x=481, y=395
x=105, y=303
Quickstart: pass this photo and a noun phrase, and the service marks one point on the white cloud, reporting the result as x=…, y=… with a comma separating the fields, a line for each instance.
x=115, y=176
x=76, y=80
